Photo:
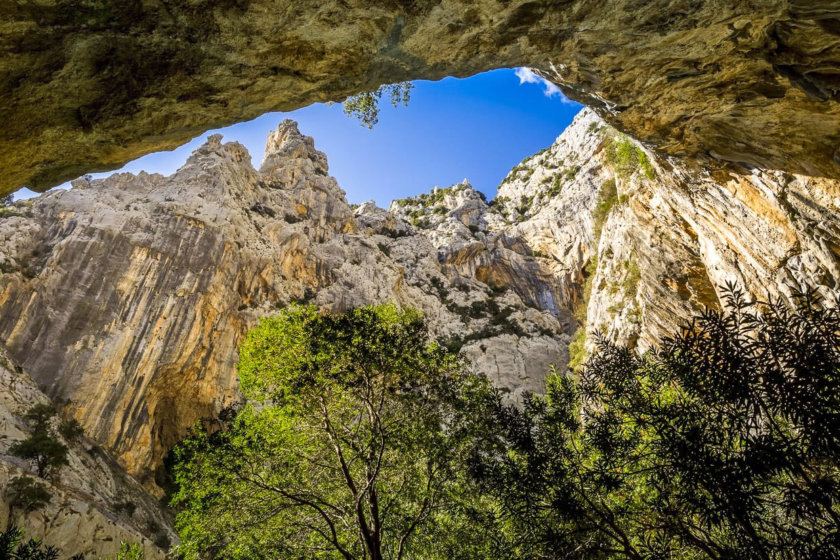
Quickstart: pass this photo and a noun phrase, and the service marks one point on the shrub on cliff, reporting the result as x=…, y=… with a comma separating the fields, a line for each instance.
x=14, y=546
x=129, y=551
x=625, y=158
x=39, y=415
x=25, y=494
x=71, y=430
x=45, y=452
x=42, y=448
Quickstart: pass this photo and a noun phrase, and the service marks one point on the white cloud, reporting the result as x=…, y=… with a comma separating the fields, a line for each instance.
x=527, y=76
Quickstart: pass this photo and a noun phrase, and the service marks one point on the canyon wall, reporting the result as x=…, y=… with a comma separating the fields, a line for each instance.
x=87, y=86
x=94, y=505
x=125, y=298
x=662, y=240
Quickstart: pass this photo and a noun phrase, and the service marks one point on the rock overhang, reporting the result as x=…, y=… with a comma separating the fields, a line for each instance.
x=87, y=87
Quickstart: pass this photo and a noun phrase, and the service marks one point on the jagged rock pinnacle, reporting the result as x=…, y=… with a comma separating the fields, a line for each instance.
x=287, y=142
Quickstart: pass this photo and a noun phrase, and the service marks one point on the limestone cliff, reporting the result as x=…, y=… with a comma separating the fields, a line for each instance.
x=658, y=240
x=89, y=85
x=94, y=504
x=127, y=297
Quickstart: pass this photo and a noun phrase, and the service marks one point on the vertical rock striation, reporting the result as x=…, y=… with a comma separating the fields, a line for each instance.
x=126, y=298
x=83, y=514
x=669, y=237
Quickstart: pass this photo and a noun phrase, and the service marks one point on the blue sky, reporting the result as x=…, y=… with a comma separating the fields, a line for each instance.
x=476, y=128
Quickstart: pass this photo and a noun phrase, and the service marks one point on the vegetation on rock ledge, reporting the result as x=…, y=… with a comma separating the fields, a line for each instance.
x=626, y=158
x=42, y=448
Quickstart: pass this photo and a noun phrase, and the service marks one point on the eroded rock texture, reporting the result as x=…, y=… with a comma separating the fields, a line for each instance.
x=128, y=297
x=669, y=237
x=87, y=85
x=94, y=504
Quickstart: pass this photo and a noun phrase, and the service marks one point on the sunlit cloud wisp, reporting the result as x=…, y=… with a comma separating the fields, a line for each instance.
x=528, y=76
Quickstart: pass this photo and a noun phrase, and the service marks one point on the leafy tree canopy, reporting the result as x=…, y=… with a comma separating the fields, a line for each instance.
x=45, y=451
x=365, y=106
x=723, y=443
x=353, y=445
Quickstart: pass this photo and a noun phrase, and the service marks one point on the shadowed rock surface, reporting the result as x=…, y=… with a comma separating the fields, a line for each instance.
x=87, y=86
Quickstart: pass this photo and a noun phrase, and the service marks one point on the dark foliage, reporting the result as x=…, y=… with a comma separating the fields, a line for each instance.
x=25, y=494
x=721, y=444
x=39, y=415
x=45, y=451
x=14, y=547
x=71, y=430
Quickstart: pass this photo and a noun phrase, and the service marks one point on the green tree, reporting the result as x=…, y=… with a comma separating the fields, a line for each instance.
x=39, y=416
x=624, y=157
x=353, y=445
x=45, y=451
x=129, y=551
x=14, y=547
x=724, y=443
x=26, y=494
x=71, y=430
x=6, y=200
x=365, y=106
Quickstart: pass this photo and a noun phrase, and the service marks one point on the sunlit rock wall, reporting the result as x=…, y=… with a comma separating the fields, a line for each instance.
x=83, y=514
x=127, y=297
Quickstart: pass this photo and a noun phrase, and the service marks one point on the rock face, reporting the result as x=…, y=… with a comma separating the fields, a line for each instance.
x=87, y=86
x=680, y=236
x=83, y=515
x=128, y=297
x=647, y=242
x=548, y=200
x=125, y=298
